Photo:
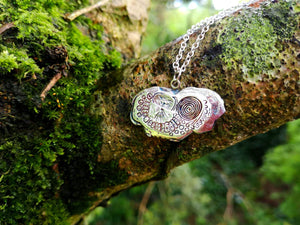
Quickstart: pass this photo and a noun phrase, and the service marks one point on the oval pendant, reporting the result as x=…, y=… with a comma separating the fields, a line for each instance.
x=173, y=114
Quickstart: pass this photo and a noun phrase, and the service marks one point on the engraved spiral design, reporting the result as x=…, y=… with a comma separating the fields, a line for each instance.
x=189, y=108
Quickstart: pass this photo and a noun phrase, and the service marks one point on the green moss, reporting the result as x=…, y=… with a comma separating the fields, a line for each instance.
x=26, y=182
x=8, y=61
x=79, y=163
x=249, y=41
x=18, y=61
x=36, y=25
x=49, y=149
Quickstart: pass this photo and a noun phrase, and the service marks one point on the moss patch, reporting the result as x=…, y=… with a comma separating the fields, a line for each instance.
x=44, y=145
x=249, y=41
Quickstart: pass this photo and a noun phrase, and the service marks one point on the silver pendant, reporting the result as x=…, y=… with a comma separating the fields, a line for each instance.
x=174, y=114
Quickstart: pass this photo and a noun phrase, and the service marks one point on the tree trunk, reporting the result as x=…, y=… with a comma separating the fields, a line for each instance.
x=251, y=59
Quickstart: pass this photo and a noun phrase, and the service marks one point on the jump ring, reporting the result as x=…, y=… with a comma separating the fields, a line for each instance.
x=175, y=84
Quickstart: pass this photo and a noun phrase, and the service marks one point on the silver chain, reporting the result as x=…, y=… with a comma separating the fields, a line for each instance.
x=205, y=24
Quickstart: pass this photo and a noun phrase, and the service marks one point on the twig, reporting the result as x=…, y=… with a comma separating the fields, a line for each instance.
x=143, y=204
x=229, y=198
x=229, y=206
x=231, y=192
x=79, y=12
x=6, y=27
x=50, y=85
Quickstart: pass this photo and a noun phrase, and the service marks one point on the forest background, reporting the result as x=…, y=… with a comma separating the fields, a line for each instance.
x=254, y=182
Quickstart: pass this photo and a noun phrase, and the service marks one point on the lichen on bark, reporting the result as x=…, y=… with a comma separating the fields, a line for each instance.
x=249, y=41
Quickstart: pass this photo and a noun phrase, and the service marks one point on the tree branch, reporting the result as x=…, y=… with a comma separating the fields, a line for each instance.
x=251, y=61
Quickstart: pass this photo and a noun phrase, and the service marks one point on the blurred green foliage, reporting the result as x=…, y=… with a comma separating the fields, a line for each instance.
x=167, y=22
x=282, y=166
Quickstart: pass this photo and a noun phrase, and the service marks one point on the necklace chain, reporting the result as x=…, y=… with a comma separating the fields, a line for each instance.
x=205, y=24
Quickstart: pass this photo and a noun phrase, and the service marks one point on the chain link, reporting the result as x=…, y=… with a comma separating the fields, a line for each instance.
x=205, y=25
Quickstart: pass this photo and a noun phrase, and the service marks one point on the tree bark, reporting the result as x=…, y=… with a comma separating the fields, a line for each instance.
x=251, y=59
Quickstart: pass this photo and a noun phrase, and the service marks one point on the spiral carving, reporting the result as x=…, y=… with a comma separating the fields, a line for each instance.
x=189, y=108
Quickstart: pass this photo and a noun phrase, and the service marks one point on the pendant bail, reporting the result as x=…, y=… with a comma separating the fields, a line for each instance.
x=175, y=84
